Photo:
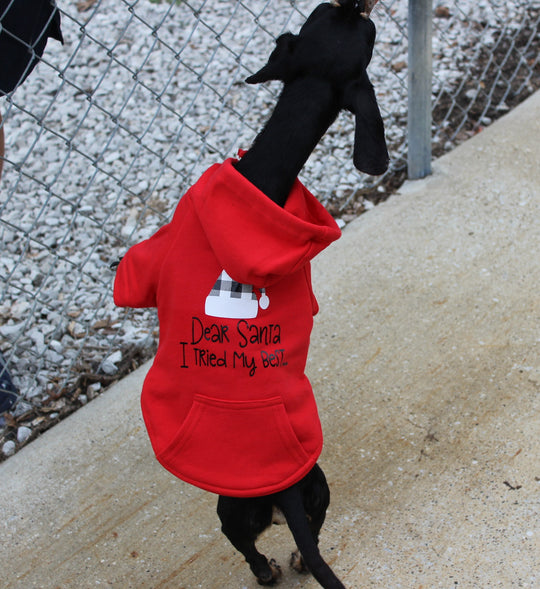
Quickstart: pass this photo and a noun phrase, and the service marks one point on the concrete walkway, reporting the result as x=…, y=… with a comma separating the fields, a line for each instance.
x=426, y=363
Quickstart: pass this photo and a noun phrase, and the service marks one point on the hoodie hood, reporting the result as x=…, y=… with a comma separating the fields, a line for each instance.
x=256, y=241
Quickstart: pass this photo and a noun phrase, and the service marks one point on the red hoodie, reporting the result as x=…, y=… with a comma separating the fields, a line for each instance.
x=227, y=405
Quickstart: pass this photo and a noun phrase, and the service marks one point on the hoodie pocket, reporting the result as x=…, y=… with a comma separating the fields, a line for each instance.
x=235, y=446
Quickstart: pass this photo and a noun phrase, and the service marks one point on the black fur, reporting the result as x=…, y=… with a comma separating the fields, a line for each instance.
x=243, y=520
x=324, y=71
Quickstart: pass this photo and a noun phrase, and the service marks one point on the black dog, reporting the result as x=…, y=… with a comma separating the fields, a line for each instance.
x=323, y=70
x=226, y=403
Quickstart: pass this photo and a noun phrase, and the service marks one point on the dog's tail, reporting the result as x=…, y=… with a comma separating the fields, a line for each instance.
x=291, y=504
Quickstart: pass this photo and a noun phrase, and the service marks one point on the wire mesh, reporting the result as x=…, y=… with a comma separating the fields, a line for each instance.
x=112, y=127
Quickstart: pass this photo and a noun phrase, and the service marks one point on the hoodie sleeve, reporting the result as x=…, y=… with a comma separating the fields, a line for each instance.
x=137, y=275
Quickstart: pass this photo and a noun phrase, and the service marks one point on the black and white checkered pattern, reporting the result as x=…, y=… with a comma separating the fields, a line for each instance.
x=226, y=286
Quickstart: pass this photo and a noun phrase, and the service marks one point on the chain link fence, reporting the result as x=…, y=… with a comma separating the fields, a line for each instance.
x=114, y=125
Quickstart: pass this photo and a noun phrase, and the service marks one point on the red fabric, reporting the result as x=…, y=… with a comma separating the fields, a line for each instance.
x=226, y=403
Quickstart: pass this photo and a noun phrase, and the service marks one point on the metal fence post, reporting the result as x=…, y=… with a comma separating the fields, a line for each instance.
x=419, y=100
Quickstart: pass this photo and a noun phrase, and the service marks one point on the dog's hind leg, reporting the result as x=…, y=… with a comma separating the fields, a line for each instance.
x=242, y=520
x=316, y=499
x=291, y=503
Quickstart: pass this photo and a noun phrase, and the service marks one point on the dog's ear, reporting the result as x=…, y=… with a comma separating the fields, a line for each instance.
x=278, y=66
x=370, y=151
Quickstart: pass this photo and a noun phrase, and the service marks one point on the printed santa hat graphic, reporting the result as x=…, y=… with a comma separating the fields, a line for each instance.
x=229, y=299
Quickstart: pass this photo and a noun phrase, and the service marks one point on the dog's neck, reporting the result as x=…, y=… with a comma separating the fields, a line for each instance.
x=305, y=110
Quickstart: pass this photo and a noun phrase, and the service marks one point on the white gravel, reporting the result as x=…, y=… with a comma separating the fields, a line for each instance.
x=106, y=135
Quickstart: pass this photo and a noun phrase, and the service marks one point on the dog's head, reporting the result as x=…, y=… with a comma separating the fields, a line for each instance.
x=336, y=44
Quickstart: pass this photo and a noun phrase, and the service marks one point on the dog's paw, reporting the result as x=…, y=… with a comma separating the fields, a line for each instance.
x=297, y=563
x=273, y=577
